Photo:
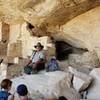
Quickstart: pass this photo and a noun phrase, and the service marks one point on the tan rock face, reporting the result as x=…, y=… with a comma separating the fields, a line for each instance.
x=21, y=43
x=40, y=12
x=83, y=31
x=87, y=59
x=93, y=92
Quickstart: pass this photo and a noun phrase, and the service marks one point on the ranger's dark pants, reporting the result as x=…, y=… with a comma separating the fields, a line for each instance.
x=38, y=66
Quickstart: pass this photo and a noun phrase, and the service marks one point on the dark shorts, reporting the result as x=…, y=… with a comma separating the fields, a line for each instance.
x=39, y=67
x=30, y=69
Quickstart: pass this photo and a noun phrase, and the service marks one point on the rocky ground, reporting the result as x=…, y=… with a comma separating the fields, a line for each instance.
x=77, y=74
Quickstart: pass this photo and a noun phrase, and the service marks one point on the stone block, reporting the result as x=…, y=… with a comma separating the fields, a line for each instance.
x=81, y=81
x=94, y=91
x=84, y=62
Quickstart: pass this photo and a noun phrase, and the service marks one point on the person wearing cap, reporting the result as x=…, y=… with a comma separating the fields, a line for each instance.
x=37, y=60
x=22, y=92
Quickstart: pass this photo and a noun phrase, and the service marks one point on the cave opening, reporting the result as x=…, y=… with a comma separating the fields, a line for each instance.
x=33, y=30
x=29, y=26
x=63, y=50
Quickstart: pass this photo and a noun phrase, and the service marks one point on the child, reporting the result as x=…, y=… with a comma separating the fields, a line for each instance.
x=5, y=88
x=22, y=92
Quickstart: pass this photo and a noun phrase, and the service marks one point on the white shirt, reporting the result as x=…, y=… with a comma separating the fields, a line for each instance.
x=36, y=56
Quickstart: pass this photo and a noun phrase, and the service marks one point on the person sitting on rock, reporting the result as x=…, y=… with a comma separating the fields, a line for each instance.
x=23, y=92
x=5, y=88
x=37, y=60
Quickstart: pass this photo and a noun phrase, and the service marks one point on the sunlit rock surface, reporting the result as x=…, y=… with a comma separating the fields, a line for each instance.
x=83, y=31
x=49, y=85
x=93, y=92
x=43, y=11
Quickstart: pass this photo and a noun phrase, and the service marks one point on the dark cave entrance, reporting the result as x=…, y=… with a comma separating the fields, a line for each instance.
x=63, y=50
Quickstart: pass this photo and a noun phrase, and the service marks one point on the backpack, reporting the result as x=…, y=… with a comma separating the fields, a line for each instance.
x=4, y=95
x=28, y=69
x=52, y=65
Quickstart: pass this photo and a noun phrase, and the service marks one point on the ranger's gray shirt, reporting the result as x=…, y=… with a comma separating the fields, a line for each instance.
x=36, y=56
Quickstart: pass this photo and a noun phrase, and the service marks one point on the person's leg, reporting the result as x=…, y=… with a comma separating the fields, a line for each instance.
x=39, y=66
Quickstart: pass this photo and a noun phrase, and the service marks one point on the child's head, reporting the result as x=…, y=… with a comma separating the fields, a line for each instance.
x=6, y=84
x=22, y=90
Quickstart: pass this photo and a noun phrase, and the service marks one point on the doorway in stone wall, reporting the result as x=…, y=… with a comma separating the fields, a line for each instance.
x=63, y=50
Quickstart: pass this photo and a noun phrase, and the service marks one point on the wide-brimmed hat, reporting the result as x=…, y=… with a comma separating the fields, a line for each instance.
x=22, y=90
x=39, y=45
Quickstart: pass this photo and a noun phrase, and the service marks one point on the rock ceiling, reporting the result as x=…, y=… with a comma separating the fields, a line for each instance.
x=52, y=16
x=43, y=12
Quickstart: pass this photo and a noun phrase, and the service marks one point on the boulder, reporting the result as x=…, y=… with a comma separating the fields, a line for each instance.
x=94, y=91
x=83, y=31
x=81, y=81
x=50, y=85
x=63, y=65
x=68, y=92
x=21, y=42
x=87, y=60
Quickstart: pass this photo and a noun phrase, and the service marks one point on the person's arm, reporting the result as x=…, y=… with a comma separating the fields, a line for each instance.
x=30, y=61
x=42, y=58
x=11, y=97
